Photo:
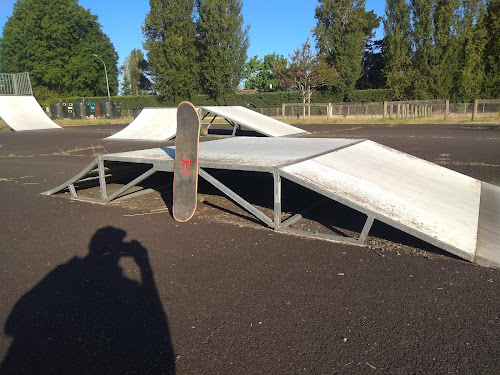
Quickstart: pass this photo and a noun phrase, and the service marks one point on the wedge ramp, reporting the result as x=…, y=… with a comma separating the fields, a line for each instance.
x=22, y=112
x=241, y=116
x=152, y=124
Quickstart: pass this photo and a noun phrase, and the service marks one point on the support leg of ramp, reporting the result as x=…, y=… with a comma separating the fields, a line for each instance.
x=231, y=194
x=285, y=226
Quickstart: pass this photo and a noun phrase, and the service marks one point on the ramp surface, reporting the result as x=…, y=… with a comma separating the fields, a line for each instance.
x=255, y=121
x=152, y=124
x=22, y=112
x=428, y=201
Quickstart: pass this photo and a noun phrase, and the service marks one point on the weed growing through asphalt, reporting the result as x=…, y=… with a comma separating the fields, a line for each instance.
x=72, y=151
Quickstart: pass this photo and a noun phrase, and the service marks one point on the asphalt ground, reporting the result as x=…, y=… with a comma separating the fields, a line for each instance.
x=123, y=288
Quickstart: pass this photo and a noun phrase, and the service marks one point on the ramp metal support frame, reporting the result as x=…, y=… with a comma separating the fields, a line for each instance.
x=285, y=226
x=275, y=223
x=239, y=200
x=230, y=122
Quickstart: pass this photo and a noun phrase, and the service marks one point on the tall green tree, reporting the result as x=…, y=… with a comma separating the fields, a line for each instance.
x=491, y=56
x=343, y=29
x=126, y=87
x=169, y=31
x=445, y=48
x=372, y=75
x=423, y=58
x=472, y=39
x=398, y=48
x=222, y=44
x=54, y=41
x=259, y=73
x=134, y=70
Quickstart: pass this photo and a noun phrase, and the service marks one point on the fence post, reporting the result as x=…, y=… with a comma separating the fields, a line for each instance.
x=329, y=111
x=14, y=84
x=474, y=112
x=385, y=110
x=283, y=111
x=446, y=109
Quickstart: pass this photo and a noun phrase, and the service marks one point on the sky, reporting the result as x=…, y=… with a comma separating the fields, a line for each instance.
x=275, y=25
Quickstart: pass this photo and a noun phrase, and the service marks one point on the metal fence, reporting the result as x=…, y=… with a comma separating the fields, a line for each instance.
x=15, y=84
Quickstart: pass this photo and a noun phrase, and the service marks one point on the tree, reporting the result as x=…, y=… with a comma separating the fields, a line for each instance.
x=134, y=70
x=372, y=76
x=398, y=48
x=126, y=87
x=445, y=62
x=259, y=74
x=342, y=32
x=170, y=35
x=491, y=56
x=305, y=72
x=222, y=44
x=54, y=41
x=472, y=40
x=423, y=58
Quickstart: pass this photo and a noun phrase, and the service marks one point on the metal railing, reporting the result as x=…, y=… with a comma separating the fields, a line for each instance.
x=15, y=84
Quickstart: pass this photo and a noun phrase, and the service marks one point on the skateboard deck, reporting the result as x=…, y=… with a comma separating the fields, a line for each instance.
x=186, y=162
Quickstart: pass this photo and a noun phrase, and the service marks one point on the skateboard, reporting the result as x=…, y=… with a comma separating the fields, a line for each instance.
x=186, y=162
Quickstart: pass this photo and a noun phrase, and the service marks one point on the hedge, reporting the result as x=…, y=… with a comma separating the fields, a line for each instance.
x=256, y=100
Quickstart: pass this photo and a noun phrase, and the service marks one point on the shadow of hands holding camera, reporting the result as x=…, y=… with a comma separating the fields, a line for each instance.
x=86, y=317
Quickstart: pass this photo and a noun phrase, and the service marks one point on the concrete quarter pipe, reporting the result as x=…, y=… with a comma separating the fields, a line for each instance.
x=22, y=112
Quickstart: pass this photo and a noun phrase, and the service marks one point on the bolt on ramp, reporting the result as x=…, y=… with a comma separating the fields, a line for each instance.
x=241, y=116
x=152, y=124
x=22, y=112
x=454, y=212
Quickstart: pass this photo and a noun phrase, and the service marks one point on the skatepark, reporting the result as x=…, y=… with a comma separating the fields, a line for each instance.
x=344, y=250
x=228, y=293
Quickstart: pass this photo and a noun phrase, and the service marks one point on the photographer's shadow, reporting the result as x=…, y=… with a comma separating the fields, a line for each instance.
x=85, y=317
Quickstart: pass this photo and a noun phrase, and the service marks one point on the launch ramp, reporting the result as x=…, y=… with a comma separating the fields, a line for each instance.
x=152, y=124
x=430, y=202
x=240, y=116
x=447, y=209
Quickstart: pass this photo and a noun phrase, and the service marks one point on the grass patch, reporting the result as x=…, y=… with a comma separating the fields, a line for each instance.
x=66, y=123
x=377, y=120
x=11, y=155
x=468, y=164
x=72, y=151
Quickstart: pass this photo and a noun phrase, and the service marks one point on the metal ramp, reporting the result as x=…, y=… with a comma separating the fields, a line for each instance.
x=238, y=116
x=447, y=209
x=152, y=124
x=18, y=108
